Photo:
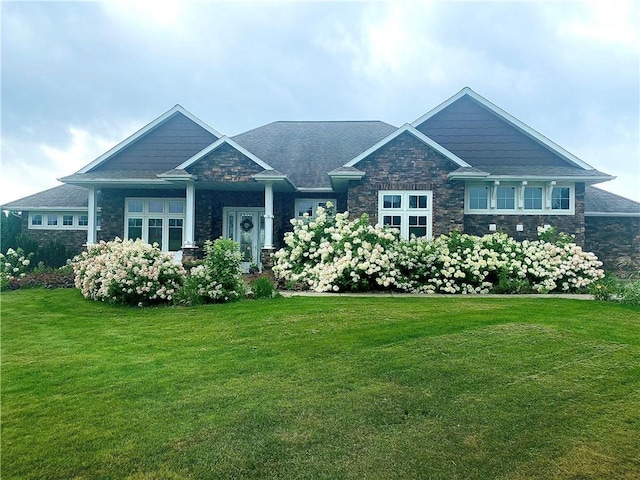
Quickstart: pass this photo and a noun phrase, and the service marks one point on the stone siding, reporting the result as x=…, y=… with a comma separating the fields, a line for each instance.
x=616, y=242
x=73, y=240
x=408, y=164
x=225, y=164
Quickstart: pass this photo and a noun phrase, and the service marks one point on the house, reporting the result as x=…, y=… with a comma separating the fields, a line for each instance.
x=465, y=165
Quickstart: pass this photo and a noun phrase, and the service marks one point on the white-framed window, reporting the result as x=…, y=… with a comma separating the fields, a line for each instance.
x=407, y=210
x=61, y=220
x=519, y=198
x=156, y=220
x=309, y=206
x=506, y=198
x=561, y=198
x=533, y=198
x=478, y=197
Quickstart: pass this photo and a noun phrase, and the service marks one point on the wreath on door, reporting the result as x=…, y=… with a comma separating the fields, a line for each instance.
x=246, y=225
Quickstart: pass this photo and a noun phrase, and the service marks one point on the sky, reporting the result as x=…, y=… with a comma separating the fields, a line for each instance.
x=79, y=77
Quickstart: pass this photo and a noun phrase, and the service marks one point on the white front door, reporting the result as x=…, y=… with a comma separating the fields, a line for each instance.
x=246, y=226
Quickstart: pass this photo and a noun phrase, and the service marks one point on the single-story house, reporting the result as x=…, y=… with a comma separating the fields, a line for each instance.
x=465, y=165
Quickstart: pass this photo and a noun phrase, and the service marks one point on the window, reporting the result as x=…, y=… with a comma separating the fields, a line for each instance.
x=478, y=198
x=58, y=220
x=560, y=198
x=506, y=198
x=155, y=231
x=309, y=206
x=407, y=211
x=156, y=220
x=533, y=198
x=135, y=228
x=175, y=234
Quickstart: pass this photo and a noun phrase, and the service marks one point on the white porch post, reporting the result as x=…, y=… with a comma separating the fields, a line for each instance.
x=91, y=224
x=268, y=216
x=190, y=220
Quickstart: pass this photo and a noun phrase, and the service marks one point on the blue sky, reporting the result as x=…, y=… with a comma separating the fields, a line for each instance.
x=79, y=77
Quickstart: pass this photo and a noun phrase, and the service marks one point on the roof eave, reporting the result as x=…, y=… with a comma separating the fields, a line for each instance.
x=612, y=214
x=563, y=178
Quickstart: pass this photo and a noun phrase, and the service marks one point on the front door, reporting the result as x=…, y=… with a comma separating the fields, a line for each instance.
x=246, y=226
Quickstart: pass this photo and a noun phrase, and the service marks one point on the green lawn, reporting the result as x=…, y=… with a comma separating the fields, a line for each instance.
x=307, y=387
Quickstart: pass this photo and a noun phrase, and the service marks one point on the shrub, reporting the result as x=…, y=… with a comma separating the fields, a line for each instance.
x=129, y=272
x=13, y=265
x=630, y=293
x=62, y=277
x=263, y=287
x=218, y=278
x=331, y=253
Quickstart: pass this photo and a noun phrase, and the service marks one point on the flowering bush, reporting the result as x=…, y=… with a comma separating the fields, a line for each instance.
x=331, y=253
x=129, y=272
x=218, y=278
x=13, y=265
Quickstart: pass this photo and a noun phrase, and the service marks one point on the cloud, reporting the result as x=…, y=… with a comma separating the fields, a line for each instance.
x=569, y=70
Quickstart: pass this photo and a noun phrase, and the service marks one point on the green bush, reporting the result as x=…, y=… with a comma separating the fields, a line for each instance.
x=630, y=293
x=218, y=278
x=263, y=287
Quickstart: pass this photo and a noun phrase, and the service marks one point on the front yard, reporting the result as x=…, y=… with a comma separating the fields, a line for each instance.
x=304, y=387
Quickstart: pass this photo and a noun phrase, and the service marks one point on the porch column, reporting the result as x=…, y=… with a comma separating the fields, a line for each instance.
x=91, y=224
x=190, y=220
x=268, y=216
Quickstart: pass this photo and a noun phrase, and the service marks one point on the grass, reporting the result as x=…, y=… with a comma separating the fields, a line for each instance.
x=344, y=387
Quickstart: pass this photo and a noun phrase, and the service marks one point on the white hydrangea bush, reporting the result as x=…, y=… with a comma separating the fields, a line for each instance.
x=331, y=253
x=13, y=265
x=131, y=272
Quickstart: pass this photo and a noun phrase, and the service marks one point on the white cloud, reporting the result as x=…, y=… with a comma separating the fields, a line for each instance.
x=35, y=167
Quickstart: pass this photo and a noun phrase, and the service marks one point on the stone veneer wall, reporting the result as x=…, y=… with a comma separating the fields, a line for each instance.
x=73, y=240
x=408, y=164
x=570, y=224
x=614, y=239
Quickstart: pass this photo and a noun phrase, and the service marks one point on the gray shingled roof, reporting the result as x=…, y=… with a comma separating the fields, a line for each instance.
x=306, y=151
x=600, y=201
x=63, y=197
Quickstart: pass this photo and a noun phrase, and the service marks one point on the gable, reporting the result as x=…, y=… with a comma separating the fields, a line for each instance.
x=485, y=140
x=161, y=148
x=225, y=164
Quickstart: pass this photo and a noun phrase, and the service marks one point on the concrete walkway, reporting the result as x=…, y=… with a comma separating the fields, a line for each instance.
x=568, y=296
